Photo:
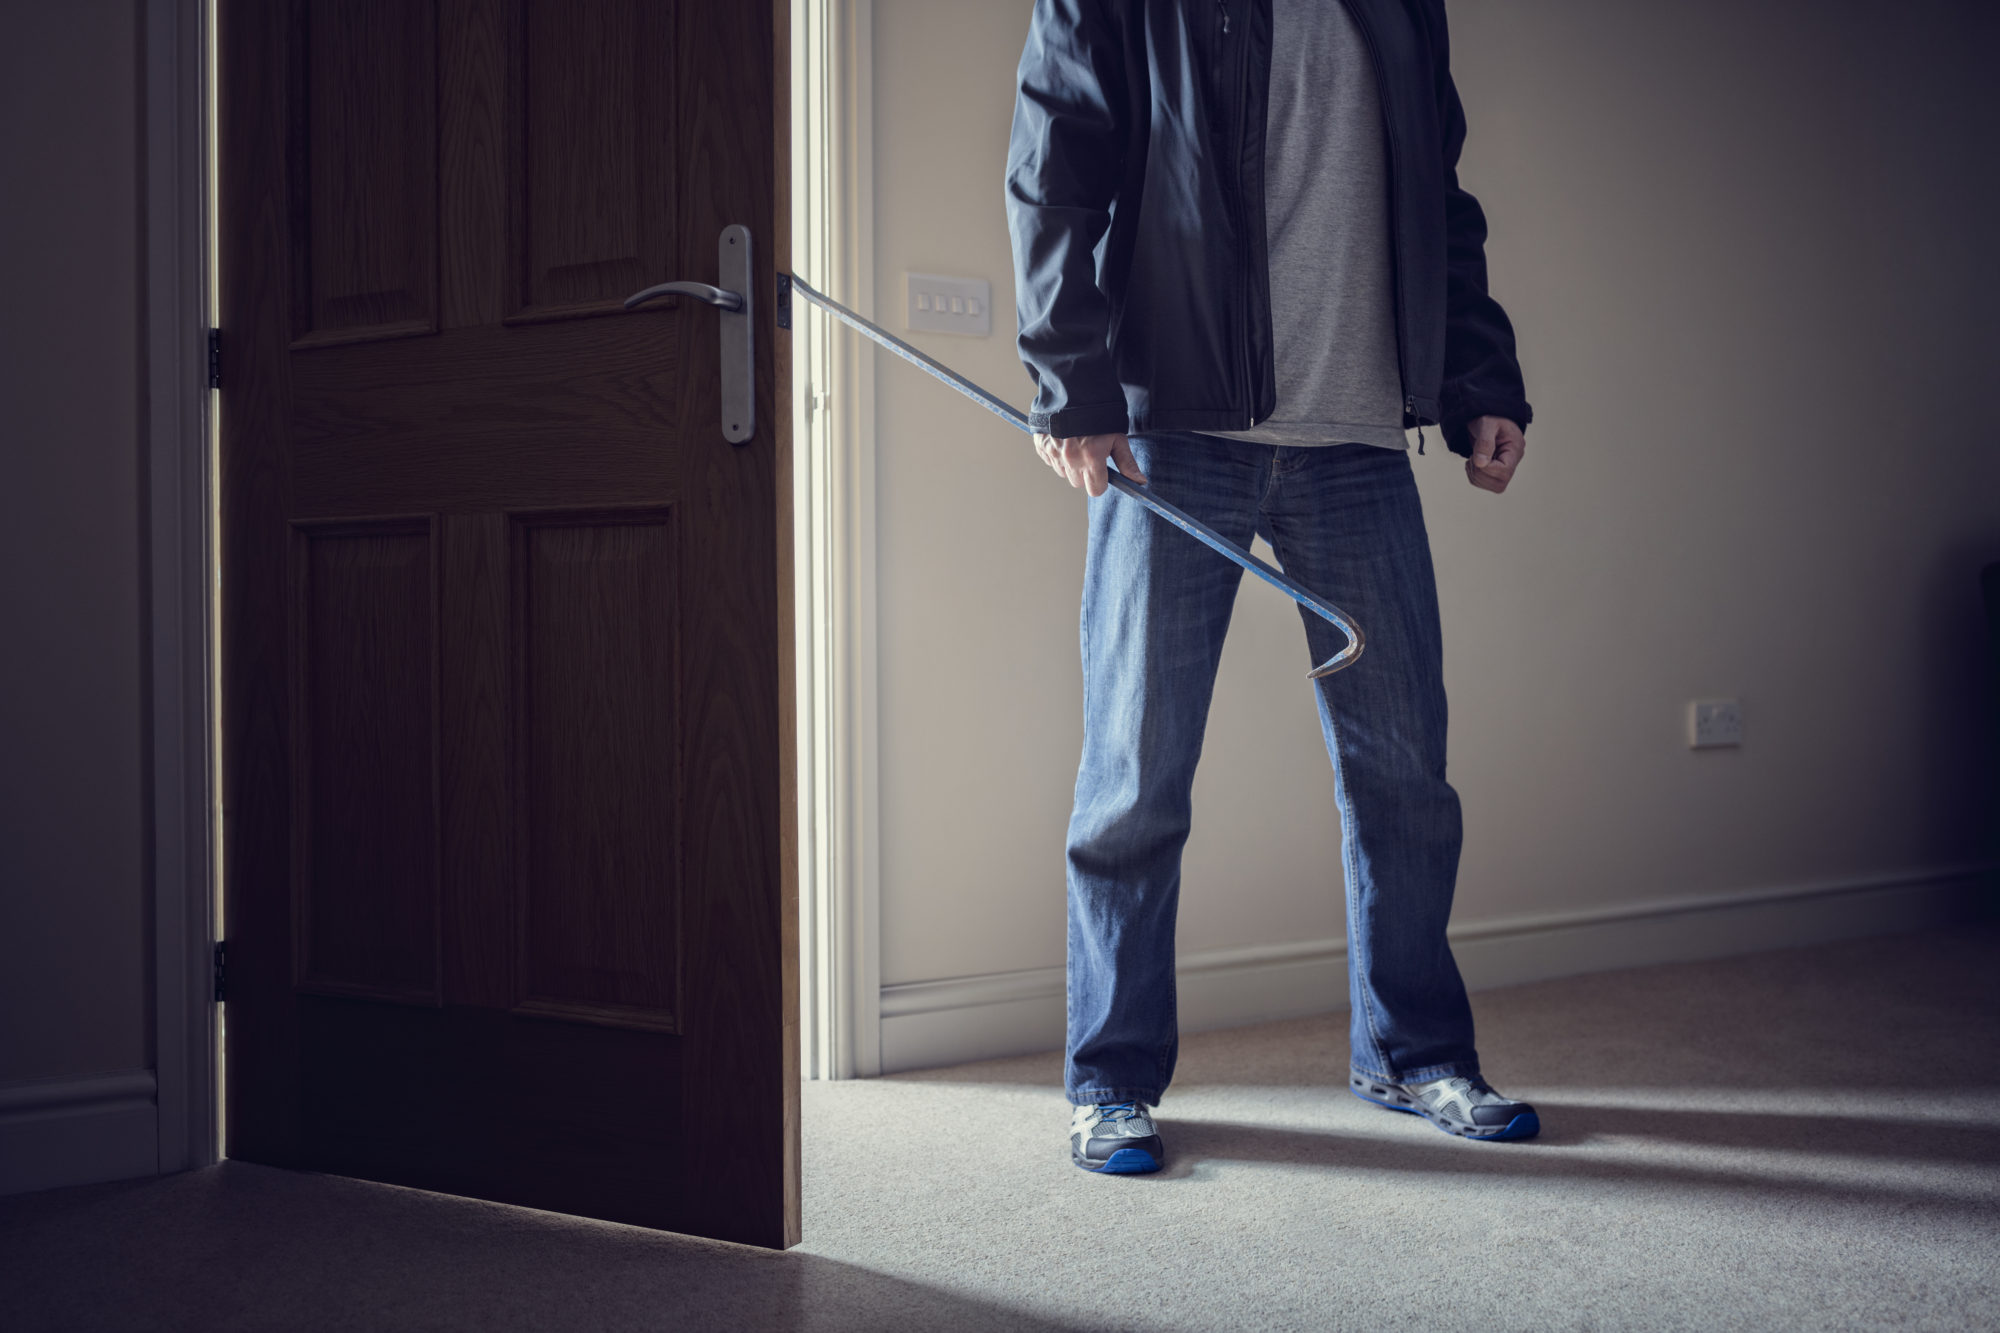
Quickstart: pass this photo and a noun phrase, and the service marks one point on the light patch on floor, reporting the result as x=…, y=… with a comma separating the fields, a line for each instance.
x=1739, y=1143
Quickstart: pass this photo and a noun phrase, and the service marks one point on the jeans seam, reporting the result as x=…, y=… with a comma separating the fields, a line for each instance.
x=1069, y=966
x=1346, y=857
x=1351, y=893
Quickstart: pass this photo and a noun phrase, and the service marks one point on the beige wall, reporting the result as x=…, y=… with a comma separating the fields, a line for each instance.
x=73, y=931
x=1738, y=243
x=1736, y=239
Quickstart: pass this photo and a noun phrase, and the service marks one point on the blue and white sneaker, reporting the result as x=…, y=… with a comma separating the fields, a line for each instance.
x=1118, y=1139
x=1466, y=1107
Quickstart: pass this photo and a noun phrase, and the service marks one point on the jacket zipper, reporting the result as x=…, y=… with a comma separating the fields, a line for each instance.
x=1395, y=247
x=1241, y=63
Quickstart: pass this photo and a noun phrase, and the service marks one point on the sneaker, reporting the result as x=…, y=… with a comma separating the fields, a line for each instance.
x=1466, y=1107
x=1118, y=1139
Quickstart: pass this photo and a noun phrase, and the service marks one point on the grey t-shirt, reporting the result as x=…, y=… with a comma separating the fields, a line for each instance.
x=1326, y=201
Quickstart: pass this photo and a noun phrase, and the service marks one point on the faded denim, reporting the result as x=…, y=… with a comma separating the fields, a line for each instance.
x=1346, y=521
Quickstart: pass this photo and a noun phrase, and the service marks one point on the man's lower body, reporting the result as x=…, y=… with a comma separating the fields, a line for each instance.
x=1346, y=521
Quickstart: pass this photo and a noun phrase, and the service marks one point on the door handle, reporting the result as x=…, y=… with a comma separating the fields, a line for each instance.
x=700, y=291
x=738, y=346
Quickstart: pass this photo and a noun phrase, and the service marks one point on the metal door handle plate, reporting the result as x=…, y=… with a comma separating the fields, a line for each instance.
x=732, y=301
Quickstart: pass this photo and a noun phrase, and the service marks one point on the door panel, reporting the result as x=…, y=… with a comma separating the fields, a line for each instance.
x=600, y=889
x=597, y=160
x=364, y=170
x=506, y=735
x=364, y=872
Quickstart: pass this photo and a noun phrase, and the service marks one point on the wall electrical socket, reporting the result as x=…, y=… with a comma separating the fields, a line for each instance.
x=1714, y=722
x=935, y=304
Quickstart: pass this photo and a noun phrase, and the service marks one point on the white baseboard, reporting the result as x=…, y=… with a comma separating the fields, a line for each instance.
x=77, y=1131
x=930, y=1023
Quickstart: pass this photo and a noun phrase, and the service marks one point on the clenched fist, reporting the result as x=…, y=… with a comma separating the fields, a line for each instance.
x=1497, y=446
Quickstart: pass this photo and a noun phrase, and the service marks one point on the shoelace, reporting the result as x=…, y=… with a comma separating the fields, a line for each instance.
x=1117, y=1112
x=1468, y=1088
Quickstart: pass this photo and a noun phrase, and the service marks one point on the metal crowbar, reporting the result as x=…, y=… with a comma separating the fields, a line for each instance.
x=1013, y=416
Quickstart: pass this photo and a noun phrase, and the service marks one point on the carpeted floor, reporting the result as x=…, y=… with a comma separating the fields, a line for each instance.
x=1797, y=1140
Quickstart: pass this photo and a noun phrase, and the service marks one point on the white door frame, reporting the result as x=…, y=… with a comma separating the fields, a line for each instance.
x=833, y=241
x=180, y=587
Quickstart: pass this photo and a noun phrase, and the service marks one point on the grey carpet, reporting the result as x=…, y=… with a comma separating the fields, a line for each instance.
x=1803, y=1139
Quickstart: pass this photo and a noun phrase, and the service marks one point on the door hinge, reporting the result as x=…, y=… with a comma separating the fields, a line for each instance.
x=784, y=300
x=221, y=971
x=215, y=358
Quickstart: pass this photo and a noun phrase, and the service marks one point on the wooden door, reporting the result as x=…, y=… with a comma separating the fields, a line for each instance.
x=506, y=723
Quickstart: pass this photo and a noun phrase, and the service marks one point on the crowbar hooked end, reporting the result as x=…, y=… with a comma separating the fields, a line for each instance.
x=1345, y=657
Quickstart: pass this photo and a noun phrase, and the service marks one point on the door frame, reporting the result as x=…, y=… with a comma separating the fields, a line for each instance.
x=833, y=398
x=179, y=592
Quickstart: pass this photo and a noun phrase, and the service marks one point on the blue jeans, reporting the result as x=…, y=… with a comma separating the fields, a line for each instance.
x=1346, y=521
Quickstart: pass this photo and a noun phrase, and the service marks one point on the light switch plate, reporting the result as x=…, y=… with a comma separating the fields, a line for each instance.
x=934, y=304
x=1714, y=722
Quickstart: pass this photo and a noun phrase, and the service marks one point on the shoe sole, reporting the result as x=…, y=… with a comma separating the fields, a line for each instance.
x=1523, y=1126
x=1124, y=1162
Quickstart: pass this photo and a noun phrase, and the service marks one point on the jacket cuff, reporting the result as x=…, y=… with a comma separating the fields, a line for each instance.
x=1087, y=419
x=1463, y=412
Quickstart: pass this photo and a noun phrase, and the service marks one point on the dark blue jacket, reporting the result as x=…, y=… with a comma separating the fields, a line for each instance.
x=1135, y=196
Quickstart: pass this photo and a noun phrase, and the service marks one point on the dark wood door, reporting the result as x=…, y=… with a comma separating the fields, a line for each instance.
x=505, y=619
